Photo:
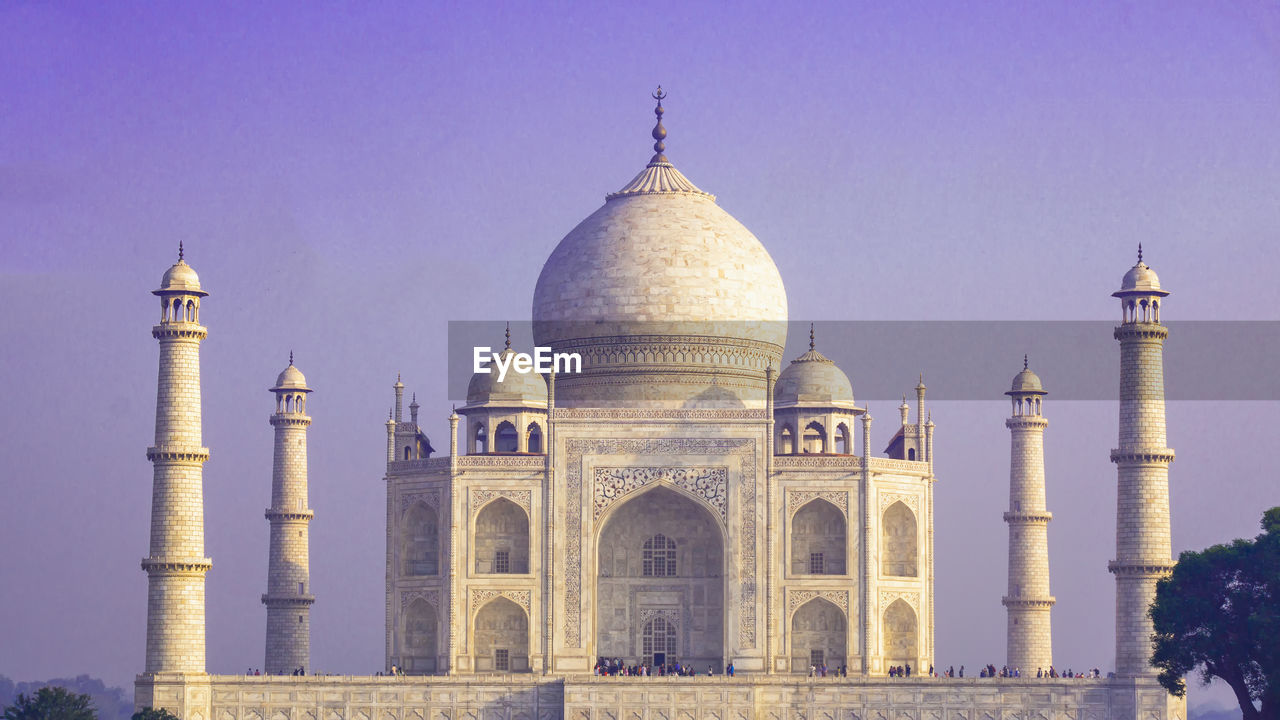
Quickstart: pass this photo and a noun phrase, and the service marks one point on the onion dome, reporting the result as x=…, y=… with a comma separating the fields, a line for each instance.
x=291, y=379
x=180, y=279
x=661, y=291
x=1140, y=280
x=1026, y=382
x=515, y=388
x=813, y=379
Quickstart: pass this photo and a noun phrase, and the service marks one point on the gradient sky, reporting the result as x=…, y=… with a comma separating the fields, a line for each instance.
x=349, y=178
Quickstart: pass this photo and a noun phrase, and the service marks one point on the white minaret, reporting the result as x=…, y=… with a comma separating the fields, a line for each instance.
x=1143, y=546
x=288, y=597
x=1028, y=603
x=176, y=564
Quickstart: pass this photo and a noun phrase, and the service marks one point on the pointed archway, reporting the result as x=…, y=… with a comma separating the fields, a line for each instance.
x=660, y=582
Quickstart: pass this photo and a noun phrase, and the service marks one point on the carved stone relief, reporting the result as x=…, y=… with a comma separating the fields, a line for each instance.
x=519, y=497
x=576, y=448
x=708, y=483
x=797, y=498
x=430, y=497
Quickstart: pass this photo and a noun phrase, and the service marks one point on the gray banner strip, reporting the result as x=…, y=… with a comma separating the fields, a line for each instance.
x=976, y=360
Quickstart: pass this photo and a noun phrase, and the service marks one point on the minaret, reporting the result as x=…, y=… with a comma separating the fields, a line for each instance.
x=288, y=597
x=920, y=417
x=1143, y=546
x=1028, y=603
x=176, y=564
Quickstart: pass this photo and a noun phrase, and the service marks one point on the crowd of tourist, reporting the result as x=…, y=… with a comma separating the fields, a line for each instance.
x=616, y=667
x=257, y=671
x=611, y=667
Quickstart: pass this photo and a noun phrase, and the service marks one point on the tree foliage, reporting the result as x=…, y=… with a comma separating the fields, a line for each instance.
x=1219, y=612
x=51, y=703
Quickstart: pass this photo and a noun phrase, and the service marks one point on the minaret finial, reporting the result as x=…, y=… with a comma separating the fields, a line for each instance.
x=1139, y=252
x=290, y=358
x=508, y=334
x=659, y=132
x=811, y=342
x=180, y=251
x=1024, y=361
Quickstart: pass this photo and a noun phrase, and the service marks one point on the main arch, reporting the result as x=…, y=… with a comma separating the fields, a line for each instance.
x=660, y=582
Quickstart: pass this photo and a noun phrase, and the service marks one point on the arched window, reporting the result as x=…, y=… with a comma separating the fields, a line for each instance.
x=408, y=453
x=844, y=440
x=817, y=634
x=506, y=440
x=660, y=556
x=899, y=541
x=818, y=539
x=191, y=311
x=419, y=648
x=502, y=538
x=534, y=440
x=901, y=639
x=659, y=639
x=911, y=453
x=815, y=438
x=420, y=541
x=501, y=637
x=481, y=440
x=788, y=441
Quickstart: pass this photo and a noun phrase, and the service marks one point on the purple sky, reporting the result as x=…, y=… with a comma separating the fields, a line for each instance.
x=348, y=179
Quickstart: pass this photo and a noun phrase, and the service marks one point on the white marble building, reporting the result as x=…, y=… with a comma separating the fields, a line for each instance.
x=687, y=497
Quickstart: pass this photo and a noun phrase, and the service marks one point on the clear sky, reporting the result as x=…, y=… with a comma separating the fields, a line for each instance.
x=349, y=178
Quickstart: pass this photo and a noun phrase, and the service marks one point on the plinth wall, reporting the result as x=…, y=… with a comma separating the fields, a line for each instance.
x=579, y=697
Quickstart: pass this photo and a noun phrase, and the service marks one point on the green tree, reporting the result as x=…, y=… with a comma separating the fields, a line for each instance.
x=153, y=714
x=1219, y=612
x=51, y=703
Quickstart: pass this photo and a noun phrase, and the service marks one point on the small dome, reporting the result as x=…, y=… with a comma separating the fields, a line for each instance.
x=514, y=389
x=180, y=279
x=1140, y=278
x=1026, y=382
x=291, y=379
x=812, y=379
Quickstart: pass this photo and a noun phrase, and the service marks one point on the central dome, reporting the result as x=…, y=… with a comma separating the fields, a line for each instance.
x=663, y=293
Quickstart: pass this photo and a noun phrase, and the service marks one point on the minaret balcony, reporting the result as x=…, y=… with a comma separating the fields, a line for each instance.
x=282, y=514
x=178, y=453
x=179, y=330
x=1028, y=517
x=1021, y=603
x=1141, y=331
x=176, y=566
x=292, y=600
x=1143, y=569
x=1142, y=455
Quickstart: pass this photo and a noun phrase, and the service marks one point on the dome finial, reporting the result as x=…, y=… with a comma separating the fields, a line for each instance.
x=508, y=334
x=290, y=358
x=811, y=343
x=1024, y=361
x=1139, y=252
x=659, y=132
x=180, y=251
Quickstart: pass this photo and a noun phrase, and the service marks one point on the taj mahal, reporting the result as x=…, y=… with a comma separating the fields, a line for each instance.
x=690, y=496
